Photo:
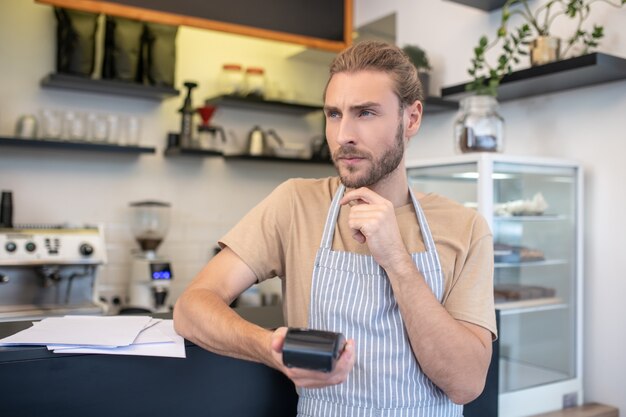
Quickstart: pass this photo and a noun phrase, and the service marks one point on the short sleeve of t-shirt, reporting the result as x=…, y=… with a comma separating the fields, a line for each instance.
x=470, y=297
x=263, y=228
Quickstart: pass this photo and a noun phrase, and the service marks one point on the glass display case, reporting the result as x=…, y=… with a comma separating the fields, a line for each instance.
x=533, y=206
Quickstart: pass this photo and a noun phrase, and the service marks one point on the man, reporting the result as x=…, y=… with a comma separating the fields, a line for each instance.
x=407, y=278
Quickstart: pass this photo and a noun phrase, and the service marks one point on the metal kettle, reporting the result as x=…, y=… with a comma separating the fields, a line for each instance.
x=258, y=141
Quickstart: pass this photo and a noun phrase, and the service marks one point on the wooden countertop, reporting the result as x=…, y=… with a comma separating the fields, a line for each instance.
x=585, y=410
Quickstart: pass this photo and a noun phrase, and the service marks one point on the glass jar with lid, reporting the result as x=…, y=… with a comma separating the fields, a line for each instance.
x=255, y=85
x=231, y=80
x=479, y=127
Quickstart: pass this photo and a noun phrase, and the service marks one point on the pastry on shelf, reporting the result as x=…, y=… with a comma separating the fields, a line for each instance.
x=534, y=207
x=512, y=254
x=517, y=292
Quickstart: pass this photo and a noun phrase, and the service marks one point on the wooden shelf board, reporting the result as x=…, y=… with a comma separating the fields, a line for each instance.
x=581, y=71
x=585, y=410
x=120, y=88
x=72, y=145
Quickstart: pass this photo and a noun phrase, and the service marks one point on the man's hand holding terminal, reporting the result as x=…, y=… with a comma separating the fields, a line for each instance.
x=307, y=378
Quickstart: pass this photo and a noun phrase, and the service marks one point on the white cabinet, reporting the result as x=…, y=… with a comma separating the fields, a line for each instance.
x=533, y=206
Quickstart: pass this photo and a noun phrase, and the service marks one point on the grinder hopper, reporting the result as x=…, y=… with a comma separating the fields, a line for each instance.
x=149, y=224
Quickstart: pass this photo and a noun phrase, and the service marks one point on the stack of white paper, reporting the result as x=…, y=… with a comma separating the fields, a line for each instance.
x=118, y=335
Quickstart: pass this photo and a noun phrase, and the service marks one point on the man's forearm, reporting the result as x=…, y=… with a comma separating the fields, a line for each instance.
x=206, y=320
x=449, y=353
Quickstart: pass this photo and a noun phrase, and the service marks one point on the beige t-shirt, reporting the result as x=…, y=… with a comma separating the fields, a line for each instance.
x=281, y=236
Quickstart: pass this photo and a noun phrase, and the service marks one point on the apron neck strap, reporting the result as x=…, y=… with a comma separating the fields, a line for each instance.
x=427, y=237
x=331, y=218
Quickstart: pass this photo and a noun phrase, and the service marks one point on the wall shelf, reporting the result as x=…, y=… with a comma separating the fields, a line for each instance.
x=72, y=145
x=266, y=105
x=581, y=71
x=487, y=5
x=431, y=104
x=438, y=105
x=276, y=159
x=177, y=150
x=120, y=88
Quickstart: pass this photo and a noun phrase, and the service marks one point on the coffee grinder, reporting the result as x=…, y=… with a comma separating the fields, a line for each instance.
x=150, y=273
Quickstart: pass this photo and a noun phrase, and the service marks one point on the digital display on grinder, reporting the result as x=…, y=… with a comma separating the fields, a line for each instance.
x=161, y=271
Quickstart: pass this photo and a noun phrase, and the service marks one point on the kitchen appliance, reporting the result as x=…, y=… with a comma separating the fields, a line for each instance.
x=534, y=208
x=49, y=270
x=258, y=143
x=150, y=274
x=187, y=111
x=210, y=137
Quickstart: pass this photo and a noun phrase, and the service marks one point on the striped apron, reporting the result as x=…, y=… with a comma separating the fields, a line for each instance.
x=351, y=294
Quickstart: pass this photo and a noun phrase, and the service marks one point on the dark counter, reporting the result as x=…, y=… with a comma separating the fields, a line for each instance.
x=36, y=382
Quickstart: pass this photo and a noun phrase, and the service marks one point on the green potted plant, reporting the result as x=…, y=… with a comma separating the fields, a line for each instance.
x=419, y=58
x=532, y=37
x=479, y=127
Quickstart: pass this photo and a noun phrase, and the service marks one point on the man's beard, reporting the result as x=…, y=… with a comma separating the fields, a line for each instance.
x=380, y=169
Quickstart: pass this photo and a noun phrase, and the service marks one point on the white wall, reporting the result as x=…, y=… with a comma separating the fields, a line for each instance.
x=587, y=125
x=209, y=195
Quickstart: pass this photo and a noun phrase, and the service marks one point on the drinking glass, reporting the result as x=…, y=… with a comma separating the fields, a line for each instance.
x=98, y=128
x=74, y=125
x=133, y=130
x=51, y=121
x=114, y=126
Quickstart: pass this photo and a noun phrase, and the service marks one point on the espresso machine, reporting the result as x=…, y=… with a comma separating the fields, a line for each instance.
x=49, y=270
x=151, y=274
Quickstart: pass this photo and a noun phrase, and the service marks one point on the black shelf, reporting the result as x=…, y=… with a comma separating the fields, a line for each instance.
x=120, y=88
x=581, y=71
x=87, y=146
x=487, y=5
x=431, y=104
x=177, y=150
x=259, y=104
x=276, y=159
x=438, y=105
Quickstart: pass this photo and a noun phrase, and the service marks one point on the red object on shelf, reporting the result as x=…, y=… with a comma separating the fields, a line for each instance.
x=206, y=113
